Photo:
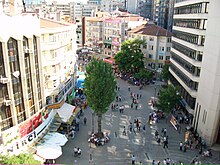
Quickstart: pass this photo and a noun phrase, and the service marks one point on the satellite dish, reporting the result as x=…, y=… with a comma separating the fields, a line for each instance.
x=16, y=74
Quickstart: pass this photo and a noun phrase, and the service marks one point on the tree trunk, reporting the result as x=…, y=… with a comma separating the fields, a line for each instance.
x=99, y=124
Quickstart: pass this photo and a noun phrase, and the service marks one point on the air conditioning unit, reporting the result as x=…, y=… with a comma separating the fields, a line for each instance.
x=4, y=80
x=7, y=102
x=28, y=50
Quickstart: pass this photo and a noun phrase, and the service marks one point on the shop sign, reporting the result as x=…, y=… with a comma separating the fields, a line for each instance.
x=29, y=138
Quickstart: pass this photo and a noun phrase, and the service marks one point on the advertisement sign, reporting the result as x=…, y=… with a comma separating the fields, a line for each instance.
x=29, y=125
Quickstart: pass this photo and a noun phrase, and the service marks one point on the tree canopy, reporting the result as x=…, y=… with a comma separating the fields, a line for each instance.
x=168, y=98
x=20, y=159
x=144, y=74
x=130, y=58
x=99, y=87
x=165, y=74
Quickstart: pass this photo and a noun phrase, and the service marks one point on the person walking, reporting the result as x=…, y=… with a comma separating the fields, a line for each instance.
x=181, y=146
x=85, y=120
x=153, y=162
x=129, y=88
x=132, y=104
x=136, y=107
x=184, y=148
x=131, y=126
x=164, y=132
x=124, y=131
x=133, y=158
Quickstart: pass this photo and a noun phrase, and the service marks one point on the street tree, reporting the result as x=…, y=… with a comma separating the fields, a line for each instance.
x=99, y=88
x=165, y=74
x=168, y=98
x=143, y=74
x=18, y=159
x=130, y=58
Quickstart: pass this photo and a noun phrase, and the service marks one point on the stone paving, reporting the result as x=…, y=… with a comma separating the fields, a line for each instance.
x=142, y=144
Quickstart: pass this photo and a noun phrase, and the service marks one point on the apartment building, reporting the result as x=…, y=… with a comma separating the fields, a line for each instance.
x=112, y=31
x=157, y=45
x=194, y=60
x=111, y=5
x=58, y=46
x=22, y=99
x=145, y=9
x=93, y=33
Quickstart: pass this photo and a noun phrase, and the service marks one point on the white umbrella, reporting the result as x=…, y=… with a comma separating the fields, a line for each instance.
x=56, y=139
x=49, y=152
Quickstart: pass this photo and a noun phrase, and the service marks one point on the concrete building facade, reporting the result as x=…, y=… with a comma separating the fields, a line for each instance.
x=22, y=99
x=195, y=58
x=58, y=46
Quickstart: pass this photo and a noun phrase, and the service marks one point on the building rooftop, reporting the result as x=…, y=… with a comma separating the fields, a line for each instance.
x=94, y=19
x=46, y=23
x=151, y=29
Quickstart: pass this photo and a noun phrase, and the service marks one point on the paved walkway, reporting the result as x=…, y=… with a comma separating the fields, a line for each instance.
x=142, y=144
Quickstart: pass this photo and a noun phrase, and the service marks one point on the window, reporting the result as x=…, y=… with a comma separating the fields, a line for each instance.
x=168, y=49
x=145, y=46
x=151, y=47
x=167, y=57
x=151, y=38
x=51, y=38
x=169, y=39
x=162, y=48
x=160, y=65
x=150, y=56
x=202, y=40
x=160, y=57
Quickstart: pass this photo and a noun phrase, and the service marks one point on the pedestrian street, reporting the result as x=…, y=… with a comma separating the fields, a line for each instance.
x=142, y=144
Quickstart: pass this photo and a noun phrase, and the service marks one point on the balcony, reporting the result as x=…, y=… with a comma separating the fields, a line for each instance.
x=4, y=80
x=7, y=102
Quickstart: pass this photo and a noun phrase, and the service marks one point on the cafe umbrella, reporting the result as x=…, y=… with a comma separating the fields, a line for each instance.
x=48, y=151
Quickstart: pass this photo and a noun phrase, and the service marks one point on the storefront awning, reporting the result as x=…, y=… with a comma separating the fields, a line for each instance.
x=65, y=112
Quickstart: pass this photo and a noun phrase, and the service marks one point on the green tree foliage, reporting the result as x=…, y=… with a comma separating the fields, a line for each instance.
x=99, y=87
x=165, y=74
x=130, y=58
x=168, y=98
x=144, y=74
x=20, y=159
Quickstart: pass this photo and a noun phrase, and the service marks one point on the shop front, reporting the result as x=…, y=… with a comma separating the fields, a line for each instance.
x=19, y=138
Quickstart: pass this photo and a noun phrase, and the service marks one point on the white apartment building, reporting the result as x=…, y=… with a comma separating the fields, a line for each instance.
x=22, y=100
x=58, y=46
x=157, y=45
x=195, y=60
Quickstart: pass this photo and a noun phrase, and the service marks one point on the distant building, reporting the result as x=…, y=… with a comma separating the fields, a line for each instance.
x=131, y=6
x=157, y=45
x=145, y=9
x=108, y=33
x=163, y=13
